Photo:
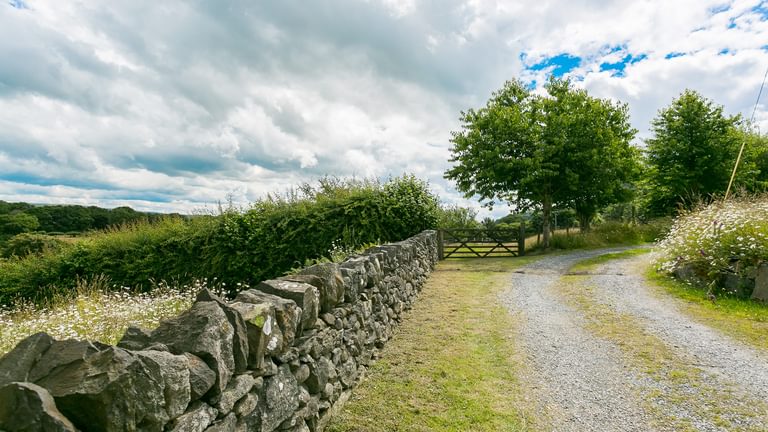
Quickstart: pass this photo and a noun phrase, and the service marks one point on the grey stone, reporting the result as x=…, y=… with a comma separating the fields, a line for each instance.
x=240, y=337
x=238, y=387
x=246, y=405
x=173, y=373
x=320, y=372
x=16, y=364
x=761, y=283
x=113, y=390
x=60, y=354
x=305, y=295
x=287, y=314
x=329, y=391
x=203, y=330
x=301, y=373
x=331, y=284
x=227, y=424
x=201, y=377
x=262, y=329
x=135, y=338
x=196, y=419
x=329, y=319
x=737, y=285
x=348, y=373
x=28, y=407
x=278, y=400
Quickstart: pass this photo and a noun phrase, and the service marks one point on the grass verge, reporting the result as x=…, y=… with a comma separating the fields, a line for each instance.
x=591, y=263
x=742, y=319
x=451, y=365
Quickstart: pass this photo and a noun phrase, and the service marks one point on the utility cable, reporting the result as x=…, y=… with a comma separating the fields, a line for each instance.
x=744, y=143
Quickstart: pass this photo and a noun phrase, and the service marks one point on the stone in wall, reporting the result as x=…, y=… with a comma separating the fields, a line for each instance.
x=278, y=400
x=121, y=390
x=260, y=363
x=28, y=407
x=262, y=329
x=240, y=337
x=287, y=316
x=305, y=295
x=761, y=283
x=330, y=283
x=203, y=330
x=16, y=365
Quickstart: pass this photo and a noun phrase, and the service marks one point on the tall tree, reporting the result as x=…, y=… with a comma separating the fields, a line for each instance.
x=536, y=151
x=691, y=154
x=595, y=156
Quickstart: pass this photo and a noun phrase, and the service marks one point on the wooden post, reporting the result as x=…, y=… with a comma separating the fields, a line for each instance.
x=521, y=240
x=440, y=251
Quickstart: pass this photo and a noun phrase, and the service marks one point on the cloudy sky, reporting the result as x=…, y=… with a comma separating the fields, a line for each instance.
x=175, y=105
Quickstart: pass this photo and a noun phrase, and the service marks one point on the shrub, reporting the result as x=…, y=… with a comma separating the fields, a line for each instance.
x=611, y=234
x=273, y=236
x=713, y=239
x=25, y=244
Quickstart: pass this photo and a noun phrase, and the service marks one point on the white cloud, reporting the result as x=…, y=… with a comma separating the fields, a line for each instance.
x=176, y=104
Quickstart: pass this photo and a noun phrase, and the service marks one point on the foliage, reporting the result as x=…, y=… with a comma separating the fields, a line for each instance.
x=691, y=154
x=73, y=218
x=713, y=238
x=752, y=174
x=273, y=236
x=457, y=217
x=25, y=244
x=611, y=234
x=17, y=223
x=567, y=148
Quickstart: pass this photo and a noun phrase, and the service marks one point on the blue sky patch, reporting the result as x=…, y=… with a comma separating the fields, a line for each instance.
x=761, y=9
x=561, y=64
x=673, y=55
x=18, y=4
x=617, y=68
x=719, y=9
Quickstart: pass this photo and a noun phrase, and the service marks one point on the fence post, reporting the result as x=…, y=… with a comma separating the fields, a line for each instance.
x=440, y=251
x=521, y=240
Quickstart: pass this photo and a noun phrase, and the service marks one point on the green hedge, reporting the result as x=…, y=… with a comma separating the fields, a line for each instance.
x=272, y=237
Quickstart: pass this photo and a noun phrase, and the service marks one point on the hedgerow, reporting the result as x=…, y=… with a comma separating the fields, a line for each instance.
x=271, y=237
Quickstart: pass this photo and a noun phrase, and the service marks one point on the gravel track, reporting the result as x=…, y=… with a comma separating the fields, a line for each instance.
x=579, y=381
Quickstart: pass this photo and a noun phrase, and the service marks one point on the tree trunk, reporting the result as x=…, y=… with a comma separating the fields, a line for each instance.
x=545, y=213
x=584, y=223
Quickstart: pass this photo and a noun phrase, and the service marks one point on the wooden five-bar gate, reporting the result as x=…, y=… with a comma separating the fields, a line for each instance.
x=481, y=243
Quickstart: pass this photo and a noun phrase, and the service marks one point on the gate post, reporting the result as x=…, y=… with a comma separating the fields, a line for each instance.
x=521, y=240
x=440, y=251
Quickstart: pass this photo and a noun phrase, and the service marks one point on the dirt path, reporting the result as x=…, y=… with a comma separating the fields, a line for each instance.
x=605, y=351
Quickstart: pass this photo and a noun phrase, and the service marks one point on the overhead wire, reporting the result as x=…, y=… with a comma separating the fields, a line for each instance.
x=744, y=143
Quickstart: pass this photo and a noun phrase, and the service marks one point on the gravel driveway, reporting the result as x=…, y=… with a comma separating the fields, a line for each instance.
x=606, y=352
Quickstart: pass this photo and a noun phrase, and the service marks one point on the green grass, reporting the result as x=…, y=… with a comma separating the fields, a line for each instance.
x=590, y=263
x=451, y=365
x=743, y=319
x=608, y=234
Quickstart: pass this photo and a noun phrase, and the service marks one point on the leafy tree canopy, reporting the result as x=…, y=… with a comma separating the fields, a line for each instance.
x=692, y=152
x=536, y=151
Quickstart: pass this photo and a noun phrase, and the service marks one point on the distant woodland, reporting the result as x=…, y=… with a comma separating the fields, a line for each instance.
x=20, y=217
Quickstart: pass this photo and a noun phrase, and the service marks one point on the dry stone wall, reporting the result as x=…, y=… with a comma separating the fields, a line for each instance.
x=282, y=356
